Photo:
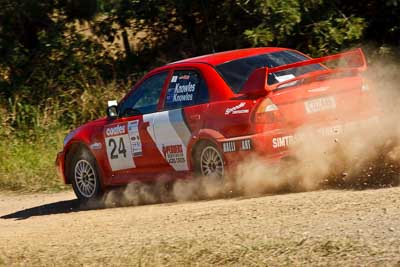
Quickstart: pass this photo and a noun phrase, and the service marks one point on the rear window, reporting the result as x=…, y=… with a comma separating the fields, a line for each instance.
x=236, y=72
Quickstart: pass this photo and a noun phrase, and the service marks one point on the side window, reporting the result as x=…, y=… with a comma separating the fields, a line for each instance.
x=186, y=88
x=145, y=98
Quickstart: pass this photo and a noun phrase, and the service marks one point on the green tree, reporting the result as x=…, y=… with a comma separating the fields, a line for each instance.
x=44, y=54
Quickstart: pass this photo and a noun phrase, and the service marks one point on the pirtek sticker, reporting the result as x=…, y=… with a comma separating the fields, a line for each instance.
x=173, y=154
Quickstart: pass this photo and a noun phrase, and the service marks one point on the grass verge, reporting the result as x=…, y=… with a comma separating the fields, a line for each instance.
x=27, y=164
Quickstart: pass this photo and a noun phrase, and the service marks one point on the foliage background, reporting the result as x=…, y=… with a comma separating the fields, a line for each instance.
x=60, y=60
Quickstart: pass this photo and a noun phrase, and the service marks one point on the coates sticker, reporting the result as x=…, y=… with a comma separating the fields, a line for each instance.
x=115, y=130
x=117, y=145
x=237, y=109
x=135, y=142
x=173, y=154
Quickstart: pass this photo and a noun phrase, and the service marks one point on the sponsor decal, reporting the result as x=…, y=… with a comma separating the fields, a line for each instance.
x=168, y=128
x=183, y=92
x=241, y=111
x=133, y=132
x=116, y=130
x=283, y=141
x=173, y=154
x=246, y=144
x=184, y=77
x=96, y=146
x=117, y=141
x=229, y=147
x=320, y=104
x=237, y=109
x=187, y=88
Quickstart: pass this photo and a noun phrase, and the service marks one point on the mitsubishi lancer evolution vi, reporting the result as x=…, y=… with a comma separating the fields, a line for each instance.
x=204, y=115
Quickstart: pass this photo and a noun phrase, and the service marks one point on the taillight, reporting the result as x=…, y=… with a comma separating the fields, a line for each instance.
x=267, y=112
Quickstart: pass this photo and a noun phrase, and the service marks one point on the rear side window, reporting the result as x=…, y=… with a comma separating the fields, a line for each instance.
x=186, y=88
x=236, y=72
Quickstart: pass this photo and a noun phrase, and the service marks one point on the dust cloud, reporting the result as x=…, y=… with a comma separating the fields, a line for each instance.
x=363, y=155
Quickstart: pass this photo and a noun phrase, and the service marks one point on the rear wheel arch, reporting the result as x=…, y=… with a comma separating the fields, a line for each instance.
x=198, y=146
x=203, y=136
x=197, y=150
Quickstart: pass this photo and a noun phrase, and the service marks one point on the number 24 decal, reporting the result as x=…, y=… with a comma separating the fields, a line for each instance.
x=121, y=148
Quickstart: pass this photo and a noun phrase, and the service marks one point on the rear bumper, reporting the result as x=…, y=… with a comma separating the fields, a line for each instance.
x=273, y=146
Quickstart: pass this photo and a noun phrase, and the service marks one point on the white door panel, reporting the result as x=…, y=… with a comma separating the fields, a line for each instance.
x=171, y=135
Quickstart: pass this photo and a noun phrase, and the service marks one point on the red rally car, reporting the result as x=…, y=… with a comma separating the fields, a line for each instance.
x=202, y=115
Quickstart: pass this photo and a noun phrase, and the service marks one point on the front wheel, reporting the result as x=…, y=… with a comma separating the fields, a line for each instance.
x=84, y=176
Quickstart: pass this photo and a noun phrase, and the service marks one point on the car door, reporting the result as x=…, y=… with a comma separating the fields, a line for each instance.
x=182, y=115
x=129, y=146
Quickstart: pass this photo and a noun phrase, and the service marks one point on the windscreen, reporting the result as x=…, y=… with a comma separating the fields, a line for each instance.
x=236, y=72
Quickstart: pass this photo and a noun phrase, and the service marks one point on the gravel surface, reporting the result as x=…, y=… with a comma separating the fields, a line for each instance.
x=327, y=227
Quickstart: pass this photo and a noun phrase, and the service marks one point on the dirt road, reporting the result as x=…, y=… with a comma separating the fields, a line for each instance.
x=329, y=227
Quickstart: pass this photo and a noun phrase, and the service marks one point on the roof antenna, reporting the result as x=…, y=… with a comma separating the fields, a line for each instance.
x=208, y=26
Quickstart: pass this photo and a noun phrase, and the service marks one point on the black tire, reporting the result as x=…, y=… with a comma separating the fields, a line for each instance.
x=208, y=160
x=84, y=176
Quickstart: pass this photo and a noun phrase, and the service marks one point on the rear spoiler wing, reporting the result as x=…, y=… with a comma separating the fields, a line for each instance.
x=257, y=83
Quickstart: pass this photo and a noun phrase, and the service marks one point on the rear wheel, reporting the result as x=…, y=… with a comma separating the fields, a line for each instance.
x=209, y=161
x=84, y=176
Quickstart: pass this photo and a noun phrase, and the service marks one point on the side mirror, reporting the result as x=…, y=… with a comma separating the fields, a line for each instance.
x=112, y=109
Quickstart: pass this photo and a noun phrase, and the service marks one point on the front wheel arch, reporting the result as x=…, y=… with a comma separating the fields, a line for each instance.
x=91, y=174
x=72, y=150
